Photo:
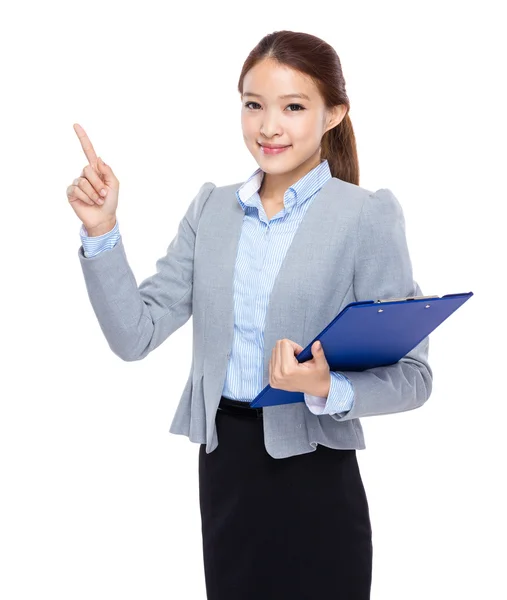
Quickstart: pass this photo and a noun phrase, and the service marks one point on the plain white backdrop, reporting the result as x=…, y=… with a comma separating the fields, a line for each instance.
x=98, y=499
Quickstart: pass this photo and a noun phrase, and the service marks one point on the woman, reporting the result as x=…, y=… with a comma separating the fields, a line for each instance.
x=263, y=266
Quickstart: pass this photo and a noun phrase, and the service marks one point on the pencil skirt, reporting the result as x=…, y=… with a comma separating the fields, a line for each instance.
x=293, y=528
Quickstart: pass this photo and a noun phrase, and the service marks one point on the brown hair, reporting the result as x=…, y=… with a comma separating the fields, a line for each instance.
x=317, y=59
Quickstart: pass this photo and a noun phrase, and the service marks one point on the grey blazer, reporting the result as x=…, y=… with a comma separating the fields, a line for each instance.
x=351, y=245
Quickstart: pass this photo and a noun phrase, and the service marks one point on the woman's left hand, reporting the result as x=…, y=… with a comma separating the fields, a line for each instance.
x=287, y=373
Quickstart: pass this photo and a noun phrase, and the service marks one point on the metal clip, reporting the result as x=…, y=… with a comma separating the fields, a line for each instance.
x=407, y=298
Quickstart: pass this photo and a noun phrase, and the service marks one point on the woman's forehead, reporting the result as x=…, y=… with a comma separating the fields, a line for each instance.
x=270, y=80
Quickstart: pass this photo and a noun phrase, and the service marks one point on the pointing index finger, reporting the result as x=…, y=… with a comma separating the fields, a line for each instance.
x=86, y=145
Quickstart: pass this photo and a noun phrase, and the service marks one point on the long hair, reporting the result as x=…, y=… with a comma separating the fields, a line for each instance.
x=317, y=59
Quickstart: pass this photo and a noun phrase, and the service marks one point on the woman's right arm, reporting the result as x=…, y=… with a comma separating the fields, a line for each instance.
x=134, y=319
x=137, y=319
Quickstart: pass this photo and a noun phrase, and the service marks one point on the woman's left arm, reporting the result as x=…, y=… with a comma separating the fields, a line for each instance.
x=383, y=269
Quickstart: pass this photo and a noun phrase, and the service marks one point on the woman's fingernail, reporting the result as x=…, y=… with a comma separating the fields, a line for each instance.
x=100, y=201
x=103, y=192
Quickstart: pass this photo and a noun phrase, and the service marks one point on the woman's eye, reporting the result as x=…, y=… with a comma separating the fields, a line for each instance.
x=298, y=105
x=247, y=105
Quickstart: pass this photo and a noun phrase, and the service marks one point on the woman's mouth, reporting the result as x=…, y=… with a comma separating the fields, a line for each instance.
x=270, y=151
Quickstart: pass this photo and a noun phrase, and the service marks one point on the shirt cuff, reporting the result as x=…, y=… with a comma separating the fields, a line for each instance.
x=339, y=400
x=97, y=244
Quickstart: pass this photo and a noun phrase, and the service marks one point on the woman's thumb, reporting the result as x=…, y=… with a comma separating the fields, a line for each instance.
x=105, y=170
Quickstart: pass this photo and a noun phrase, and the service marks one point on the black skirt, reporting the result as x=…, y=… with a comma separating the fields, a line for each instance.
x=293, y=528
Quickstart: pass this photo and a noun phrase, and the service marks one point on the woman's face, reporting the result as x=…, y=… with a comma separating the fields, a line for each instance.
x=296, y=122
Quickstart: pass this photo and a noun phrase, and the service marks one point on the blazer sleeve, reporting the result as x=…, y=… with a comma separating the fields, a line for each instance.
x=137, y=319
x=383, y=270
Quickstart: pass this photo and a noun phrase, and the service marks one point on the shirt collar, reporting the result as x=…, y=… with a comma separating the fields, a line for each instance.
x=297, y=193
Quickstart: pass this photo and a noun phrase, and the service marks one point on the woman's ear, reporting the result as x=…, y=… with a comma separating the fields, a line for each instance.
x=336, y=114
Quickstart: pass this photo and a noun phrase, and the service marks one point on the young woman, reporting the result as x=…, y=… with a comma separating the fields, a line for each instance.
x=262, y=266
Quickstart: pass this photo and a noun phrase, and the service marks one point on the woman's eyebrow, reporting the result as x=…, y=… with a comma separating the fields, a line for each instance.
x=304, y=96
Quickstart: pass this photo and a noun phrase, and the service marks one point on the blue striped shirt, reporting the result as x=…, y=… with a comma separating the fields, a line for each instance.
x=261, y=250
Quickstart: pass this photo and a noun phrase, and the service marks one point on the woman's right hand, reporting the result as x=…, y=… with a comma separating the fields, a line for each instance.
x=84, y=194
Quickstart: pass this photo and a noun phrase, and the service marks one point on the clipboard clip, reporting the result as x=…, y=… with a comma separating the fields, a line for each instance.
x=407, y=298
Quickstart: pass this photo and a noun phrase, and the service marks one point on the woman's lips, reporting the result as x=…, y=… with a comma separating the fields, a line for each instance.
x=268, y=151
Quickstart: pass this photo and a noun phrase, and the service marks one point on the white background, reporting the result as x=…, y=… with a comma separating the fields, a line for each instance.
x=98, y=500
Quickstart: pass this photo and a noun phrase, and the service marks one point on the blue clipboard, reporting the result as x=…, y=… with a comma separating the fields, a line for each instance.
x=372, y=333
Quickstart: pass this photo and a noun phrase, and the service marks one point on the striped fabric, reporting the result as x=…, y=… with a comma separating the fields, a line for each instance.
x=96, y=245
x=262, y=247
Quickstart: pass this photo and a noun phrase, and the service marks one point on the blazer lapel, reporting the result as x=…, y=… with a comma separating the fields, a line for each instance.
x=286, y=313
